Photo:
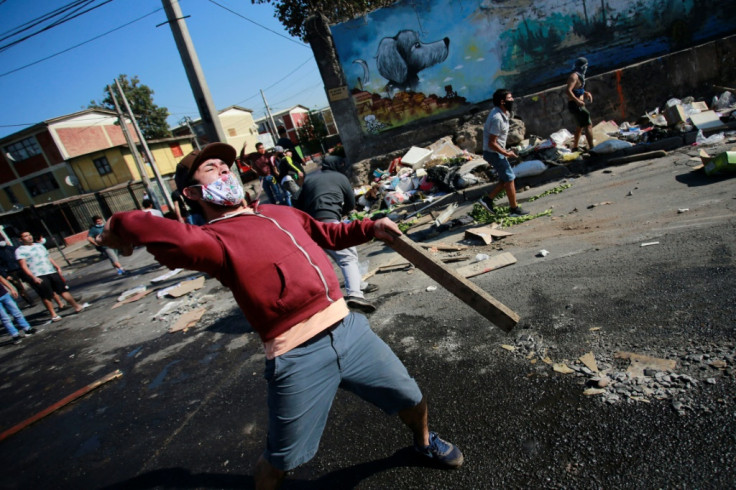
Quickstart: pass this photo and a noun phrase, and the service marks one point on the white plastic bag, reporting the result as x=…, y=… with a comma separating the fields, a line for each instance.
x=714, y=139
x=529, y=168
x=559, y=137
x=610, y=146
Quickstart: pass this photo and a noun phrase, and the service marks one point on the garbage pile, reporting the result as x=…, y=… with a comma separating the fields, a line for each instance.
x=426, y=173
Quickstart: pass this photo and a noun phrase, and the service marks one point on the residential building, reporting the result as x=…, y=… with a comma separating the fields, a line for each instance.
x=237, y=123
x=34, y=162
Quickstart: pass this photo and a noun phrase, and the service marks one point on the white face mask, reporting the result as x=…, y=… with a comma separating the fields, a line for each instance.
x=225, y=191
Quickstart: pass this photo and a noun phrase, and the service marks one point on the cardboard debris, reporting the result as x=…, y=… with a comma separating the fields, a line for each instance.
x=508, y=347
x=166, y=276
x=186, y=287
x=131, y=292
x=445, y=148
x=706, y=120
x=187, y=320
x=488, y=265
x=602, y=129
x=640, y=362
x=130, y=299
x=562, y=368
x=486, y=233
x=594, y=329
x=588, y=361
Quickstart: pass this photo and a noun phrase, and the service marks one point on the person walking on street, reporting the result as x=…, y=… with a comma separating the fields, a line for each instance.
x=98, y=224
x=576, y=96
x=327, y=196
x=286, y=143
x=44, y=273
x=267, y=171
x=271, y=258
x=10, y=270
x=8, y=309
x=292, y=176
x=495, y=132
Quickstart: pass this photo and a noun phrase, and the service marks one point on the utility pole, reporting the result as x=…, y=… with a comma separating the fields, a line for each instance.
x=131, y=144
x=146, y=150
x=210, y=120
x=188, y=121
x=270, y=117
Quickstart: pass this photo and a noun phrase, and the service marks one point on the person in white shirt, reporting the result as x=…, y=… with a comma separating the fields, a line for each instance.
x=148, y=207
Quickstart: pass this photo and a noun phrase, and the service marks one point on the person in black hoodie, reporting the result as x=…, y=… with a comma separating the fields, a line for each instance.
x=327, y=196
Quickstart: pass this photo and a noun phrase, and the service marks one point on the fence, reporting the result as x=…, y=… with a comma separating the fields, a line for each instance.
x=67, y=217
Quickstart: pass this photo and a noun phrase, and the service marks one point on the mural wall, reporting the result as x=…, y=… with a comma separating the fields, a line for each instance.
x=422, y=58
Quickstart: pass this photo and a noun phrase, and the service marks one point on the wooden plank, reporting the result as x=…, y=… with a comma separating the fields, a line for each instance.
x=444, y=246
x=63, y=402
x=466, y=291
x=488, y=265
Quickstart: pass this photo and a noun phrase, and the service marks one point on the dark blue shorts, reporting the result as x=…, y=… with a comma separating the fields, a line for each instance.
x=501, y=165
x=303, y=382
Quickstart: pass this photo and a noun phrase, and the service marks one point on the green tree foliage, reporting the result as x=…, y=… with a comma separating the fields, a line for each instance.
x=151, y=118
x=313, y=132
x=293, y=13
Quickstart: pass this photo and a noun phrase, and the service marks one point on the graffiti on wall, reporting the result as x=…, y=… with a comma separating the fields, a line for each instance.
x=427, y=58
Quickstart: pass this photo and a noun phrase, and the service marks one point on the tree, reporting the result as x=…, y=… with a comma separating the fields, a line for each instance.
x=151, y=118
x=293, y=13
x=313, y=132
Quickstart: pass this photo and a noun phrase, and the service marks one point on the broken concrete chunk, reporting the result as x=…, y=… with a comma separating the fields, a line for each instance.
x=589, y=361
x=594, y=391
x=562, y=368
x=508, y=347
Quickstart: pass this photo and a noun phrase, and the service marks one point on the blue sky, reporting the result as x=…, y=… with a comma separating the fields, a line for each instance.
x=237, y=56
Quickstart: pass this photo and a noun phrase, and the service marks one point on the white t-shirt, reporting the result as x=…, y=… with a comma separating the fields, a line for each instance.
x=37, y=259
x=154, y=212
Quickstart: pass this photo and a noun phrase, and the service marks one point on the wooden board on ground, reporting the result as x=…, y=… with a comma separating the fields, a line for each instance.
x=488, y=265
x=466, y=291
x=443, y=246
x=187, y=320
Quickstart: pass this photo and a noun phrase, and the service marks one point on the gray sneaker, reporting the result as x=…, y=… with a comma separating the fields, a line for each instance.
x=517, y=211
x=360, y=304
x=487, y=203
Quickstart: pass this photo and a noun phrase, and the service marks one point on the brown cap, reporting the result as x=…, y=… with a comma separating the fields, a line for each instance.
x=188, y=165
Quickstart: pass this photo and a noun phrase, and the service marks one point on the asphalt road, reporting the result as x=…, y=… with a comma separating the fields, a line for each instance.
x=189, y=409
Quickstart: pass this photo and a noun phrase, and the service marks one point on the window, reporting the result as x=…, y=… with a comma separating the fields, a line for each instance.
x=41, y=184
x=11, y=196
x=23, y=149
x=102, y=165
x=176, y=150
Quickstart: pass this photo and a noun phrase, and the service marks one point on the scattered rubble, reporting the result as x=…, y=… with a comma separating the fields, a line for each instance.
x=630, y=377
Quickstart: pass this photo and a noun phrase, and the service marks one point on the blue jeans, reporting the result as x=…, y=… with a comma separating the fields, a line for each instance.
x=501, y=165
x=272, y=188
x=8, y=308
x=303, y=382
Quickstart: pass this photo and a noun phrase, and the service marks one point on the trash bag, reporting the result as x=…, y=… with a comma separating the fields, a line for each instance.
x=610, y=146
x=561, y=136
x=715, y=139
x=529, y=168
x=724, y=101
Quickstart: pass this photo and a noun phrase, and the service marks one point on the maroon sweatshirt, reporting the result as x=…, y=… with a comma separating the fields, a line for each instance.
x=271, y=261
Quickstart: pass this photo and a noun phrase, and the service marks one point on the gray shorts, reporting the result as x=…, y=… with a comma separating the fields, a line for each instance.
x=303, y=382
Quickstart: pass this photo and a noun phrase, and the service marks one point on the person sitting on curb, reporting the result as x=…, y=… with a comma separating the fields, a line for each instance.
x=44, y=274
x=495, y=131
x=270, y=257
x=98, y=224
x=8, y=308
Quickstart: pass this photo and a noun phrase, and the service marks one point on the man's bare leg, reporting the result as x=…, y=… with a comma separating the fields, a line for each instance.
x=510, y=188
x=69, y=299
x=416, y=418
x=49, y=306
x=267, y=477
x=589, y=136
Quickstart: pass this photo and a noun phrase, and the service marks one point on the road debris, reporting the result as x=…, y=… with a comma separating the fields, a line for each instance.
x=647, y=244
x=187, y=320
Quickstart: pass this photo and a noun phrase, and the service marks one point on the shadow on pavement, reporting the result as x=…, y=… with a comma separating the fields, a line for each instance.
x=350, y=477
x=697, y=179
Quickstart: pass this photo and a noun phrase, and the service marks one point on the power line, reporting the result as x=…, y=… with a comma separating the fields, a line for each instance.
x=50, y=26
x=276, y=82
x=259, y=25
x=80, y=44
x=34, y=22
